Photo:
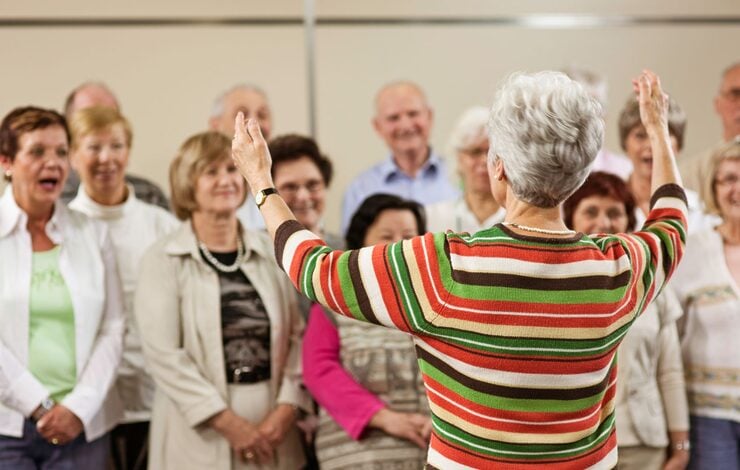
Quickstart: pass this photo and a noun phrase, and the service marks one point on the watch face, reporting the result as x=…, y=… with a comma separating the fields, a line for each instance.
x=259, y=198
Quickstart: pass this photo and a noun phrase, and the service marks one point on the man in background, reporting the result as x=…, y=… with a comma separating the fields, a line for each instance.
x=403, y=119
x=727, y=107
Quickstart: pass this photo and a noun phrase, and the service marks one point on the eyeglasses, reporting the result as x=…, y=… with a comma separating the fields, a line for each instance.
x=291, y=189
x=475, y=152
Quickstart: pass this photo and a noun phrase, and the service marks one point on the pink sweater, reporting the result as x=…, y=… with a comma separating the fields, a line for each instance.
x=348, y=402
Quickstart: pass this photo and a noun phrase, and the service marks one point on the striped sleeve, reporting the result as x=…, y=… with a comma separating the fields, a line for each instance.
x=658, y=247
x=394, y=285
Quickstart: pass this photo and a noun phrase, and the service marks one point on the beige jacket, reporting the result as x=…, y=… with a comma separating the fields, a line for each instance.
x=651, y=393
x=177, y=307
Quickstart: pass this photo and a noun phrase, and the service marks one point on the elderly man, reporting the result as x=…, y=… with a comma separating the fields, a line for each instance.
x=252, y=101
x=91, y=94
x=403, y=119
x=727, y=106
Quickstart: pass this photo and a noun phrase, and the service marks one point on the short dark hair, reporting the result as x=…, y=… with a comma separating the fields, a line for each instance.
x=26, y=119
x=368, y=213
x=290, y=147
x=629, y=118
x=600, y=183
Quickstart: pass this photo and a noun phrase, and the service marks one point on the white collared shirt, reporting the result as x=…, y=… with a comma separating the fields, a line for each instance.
x=457, y=216
x=88, y=266
x=134, y=226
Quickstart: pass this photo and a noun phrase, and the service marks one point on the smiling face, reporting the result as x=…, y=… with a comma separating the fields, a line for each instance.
x=390, y=226
x=600, y=214
x=727, y=103
x=101, y=158
x=471, y=163
x=220, y=189
x=727, y=189
x=39, y=168
x=403, y=119
x=638, y=149
x=303, y=189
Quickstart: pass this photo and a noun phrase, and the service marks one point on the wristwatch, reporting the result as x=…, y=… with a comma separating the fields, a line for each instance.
x=261, y=196
x=44, y=407
x=684, y=444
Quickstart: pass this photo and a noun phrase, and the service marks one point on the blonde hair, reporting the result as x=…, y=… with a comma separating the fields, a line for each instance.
x=194, y=155
x=709, y=185
x=96, y=119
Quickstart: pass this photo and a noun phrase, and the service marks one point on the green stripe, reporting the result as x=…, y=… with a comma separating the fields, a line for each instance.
x=529, y=451
x=504, y=403
x=518, y=294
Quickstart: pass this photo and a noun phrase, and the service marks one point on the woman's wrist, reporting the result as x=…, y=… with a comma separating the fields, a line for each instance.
x=221, y=421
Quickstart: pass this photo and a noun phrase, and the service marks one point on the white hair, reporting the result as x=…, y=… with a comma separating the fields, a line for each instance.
x=547, y=130
x=471, y=126
x=219, y=104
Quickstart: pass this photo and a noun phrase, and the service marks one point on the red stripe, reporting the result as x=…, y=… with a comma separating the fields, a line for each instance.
x=530, y=365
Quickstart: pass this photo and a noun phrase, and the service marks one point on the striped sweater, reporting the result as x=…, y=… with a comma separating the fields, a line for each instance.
x=515, y=335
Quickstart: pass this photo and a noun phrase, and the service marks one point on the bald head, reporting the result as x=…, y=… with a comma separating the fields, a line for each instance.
x=727, y=101
x=87, y=95
x=248, y=99
x=403, y=118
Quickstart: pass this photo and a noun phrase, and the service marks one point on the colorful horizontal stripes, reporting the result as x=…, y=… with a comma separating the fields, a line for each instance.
x=515, y=335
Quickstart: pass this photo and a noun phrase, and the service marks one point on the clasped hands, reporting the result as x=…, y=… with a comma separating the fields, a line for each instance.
x=59, y=426
x=255, y=442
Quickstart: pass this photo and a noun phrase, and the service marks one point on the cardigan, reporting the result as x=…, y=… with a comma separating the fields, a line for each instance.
x=515, y=335
x=711, y=328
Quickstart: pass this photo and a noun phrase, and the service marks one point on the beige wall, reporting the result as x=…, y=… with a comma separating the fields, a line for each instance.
x=166, y=77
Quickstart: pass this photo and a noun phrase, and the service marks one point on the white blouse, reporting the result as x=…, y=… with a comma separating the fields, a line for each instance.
x=88, y=266
x=134, y=226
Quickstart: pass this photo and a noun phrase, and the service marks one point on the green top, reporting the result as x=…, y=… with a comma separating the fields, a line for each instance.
x=51, y=334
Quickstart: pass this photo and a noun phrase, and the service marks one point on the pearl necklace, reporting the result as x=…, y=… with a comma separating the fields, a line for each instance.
x=240, y=252
x=538, y=230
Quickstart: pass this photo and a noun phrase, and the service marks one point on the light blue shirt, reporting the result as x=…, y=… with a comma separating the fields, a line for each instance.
x=431, y=184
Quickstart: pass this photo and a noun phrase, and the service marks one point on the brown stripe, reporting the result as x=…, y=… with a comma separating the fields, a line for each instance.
x=538, y=283
x=668, y=190
x=363, y=301
x=512, y=392
x=282, y=234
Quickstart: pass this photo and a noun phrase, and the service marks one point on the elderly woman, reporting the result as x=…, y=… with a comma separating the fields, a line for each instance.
x=707, y=286
x=651, y=410
x=374, y=413
x=302, y=175
x=476, y=209
x=635, y=142
x=220, y=328
x=516, y=327
x=101, y=141
x=60, y=308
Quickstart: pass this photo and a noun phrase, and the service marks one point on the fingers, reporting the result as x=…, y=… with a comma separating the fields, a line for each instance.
x=414, y=435
x=255, y=133
x=240, y=130
x=263, y=451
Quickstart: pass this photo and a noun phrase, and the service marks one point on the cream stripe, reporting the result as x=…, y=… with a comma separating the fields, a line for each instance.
x=370, y=282
x=535, y=332
x=511, y=437
x=514, y=379
x=440, y=461
x=474, y=445
x=482, y=264
x=513, y=421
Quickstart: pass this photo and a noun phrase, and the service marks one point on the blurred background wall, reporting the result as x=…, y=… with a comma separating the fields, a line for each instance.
x=167, y=60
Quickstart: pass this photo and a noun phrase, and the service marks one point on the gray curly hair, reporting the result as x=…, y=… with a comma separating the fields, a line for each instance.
x=547, y=130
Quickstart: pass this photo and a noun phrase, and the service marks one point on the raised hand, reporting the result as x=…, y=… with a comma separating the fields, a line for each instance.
x=250, y=153
x=653, y=101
